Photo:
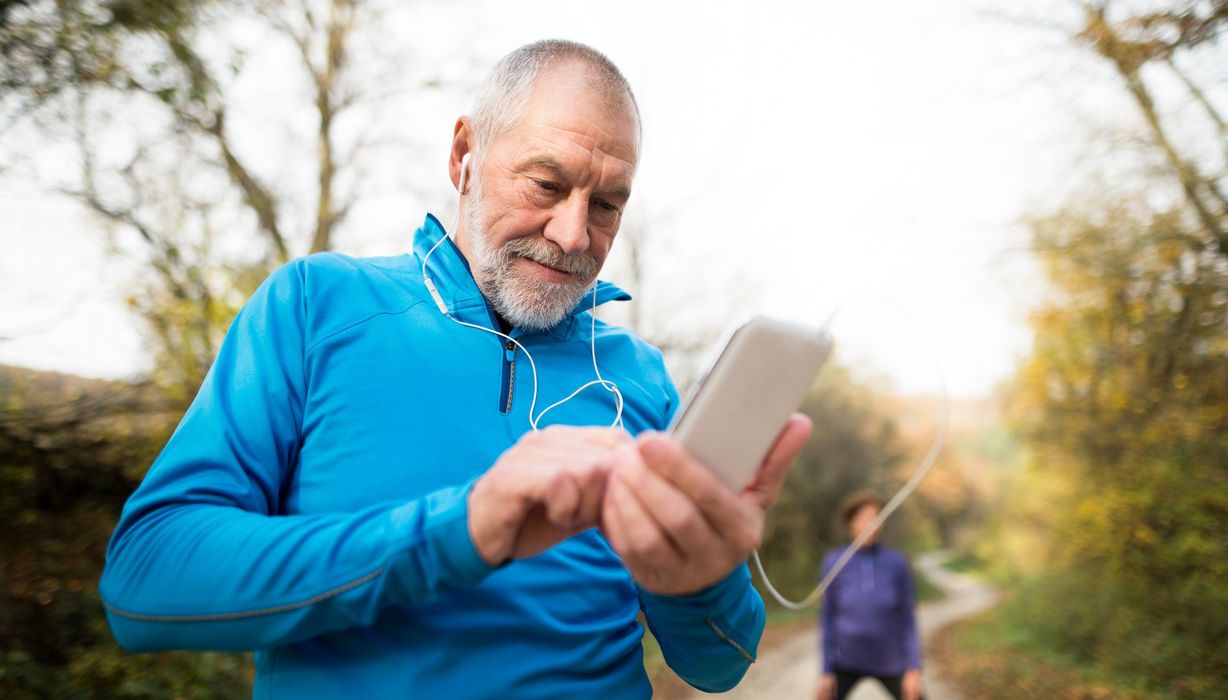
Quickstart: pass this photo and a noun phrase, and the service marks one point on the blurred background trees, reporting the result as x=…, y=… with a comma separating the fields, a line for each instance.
x=1115, y=521
x=71, y=450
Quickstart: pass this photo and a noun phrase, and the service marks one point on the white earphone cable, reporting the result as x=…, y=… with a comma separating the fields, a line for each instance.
x=927, y=463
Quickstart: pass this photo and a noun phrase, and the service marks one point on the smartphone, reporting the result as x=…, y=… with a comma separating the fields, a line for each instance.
x=734, y=414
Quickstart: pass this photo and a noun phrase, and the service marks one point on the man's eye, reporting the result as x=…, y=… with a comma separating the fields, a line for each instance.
x=547, y=185
x=607, y=206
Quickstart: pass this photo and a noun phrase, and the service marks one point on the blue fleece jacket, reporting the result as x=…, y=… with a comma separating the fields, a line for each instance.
x=867, y=616
x=311, y=506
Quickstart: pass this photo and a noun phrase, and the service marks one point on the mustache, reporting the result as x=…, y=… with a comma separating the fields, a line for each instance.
x=542, y=251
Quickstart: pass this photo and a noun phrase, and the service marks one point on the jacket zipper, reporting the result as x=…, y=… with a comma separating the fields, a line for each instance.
x=509, y=377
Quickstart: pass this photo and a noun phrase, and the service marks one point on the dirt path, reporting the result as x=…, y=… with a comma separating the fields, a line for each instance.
x=791, y=670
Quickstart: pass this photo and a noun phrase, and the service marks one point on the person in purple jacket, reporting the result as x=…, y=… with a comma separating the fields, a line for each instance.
x=868, y=623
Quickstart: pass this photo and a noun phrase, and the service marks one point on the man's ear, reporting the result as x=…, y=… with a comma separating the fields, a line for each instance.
x=462, y=146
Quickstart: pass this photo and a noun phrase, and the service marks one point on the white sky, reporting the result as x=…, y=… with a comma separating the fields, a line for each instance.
x=795, y=154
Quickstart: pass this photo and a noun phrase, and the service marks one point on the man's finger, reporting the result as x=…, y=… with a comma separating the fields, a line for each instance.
x=562, y=499
x=667, y=457
x=767, y=482
x=593, y=483
x=646, y=540
x=611, y=524
x=671, y=509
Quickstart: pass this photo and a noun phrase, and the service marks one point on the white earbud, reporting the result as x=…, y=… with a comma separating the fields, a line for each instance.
x=464, y=174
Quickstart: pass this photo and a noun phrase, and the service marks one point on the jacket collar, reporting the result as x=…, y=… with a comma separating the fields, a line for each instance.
x=450, y=272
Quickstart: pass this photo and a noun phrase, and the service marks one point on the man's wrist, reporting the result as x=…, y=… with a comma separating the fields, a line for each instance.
x=488, y=525
x=713, y=593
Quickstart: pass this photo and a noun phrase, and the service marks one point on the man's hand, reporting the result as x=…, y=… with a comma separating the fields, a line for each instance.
x=544, y=489
x=910, y=684
x=677, y=528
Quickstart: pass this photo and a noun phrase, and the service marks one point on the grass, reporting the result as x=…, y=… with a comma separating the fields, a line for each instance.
x=925, y=589
x=653, y=659
x=780, y=617
x=994, y=655
x=965, y=562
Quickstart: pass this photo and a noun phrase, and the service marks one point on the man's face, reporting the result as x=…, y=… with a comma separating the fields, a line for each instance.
x=547, y=199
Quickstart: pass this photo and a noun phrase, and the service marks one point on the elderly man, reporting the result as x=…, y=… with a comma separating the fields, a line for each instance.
x=360, y=492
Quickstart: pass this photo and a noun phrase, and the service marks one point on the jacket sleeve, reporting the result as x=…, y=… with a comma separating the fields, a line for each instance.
x=827, y=622
x=908, y=597
x=712, y=637
x=201, y=559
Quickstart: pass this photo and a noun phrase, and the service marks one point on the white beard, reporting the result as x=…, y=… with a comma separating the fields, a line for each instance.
x=525, y=301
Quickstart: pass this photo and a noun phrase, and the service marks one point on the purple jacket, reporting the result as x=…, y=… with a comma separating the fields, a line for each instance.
x=867, y=615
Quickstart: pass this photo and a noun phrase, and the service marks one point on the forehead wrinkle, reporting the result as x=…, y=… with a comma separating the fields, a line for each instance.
x=592, y=136
x=621, y=182
x=602, y=166
x=579, y=114
x=547, y=162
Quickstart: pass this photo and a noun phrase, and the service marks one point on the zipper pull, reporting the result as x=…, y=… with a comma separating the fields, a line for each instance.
x=509, y=351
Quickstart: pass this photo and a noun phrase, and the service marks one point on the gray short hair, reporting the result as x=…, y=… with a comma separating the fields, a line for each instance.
x=506, y=90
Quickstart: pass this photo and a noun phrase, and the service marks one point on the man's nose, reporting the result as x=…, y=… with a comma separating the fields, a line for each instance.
x=568, y=228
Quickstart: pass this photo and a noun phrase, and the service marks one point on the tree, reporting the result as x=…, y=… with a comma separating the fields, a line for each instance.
x=1124, y=401
x=145, y=92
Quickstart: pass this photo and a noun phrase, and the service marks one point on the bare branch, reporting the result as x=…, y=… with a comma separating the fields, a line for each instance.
x=1199, y=96
x=1128, y=58
x=255, y=195
x=1168, y=31
x=340, y=22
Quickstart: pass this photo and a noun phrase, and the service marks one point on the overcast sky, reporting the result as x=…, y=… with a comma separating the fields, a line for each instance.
x=792, y=159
